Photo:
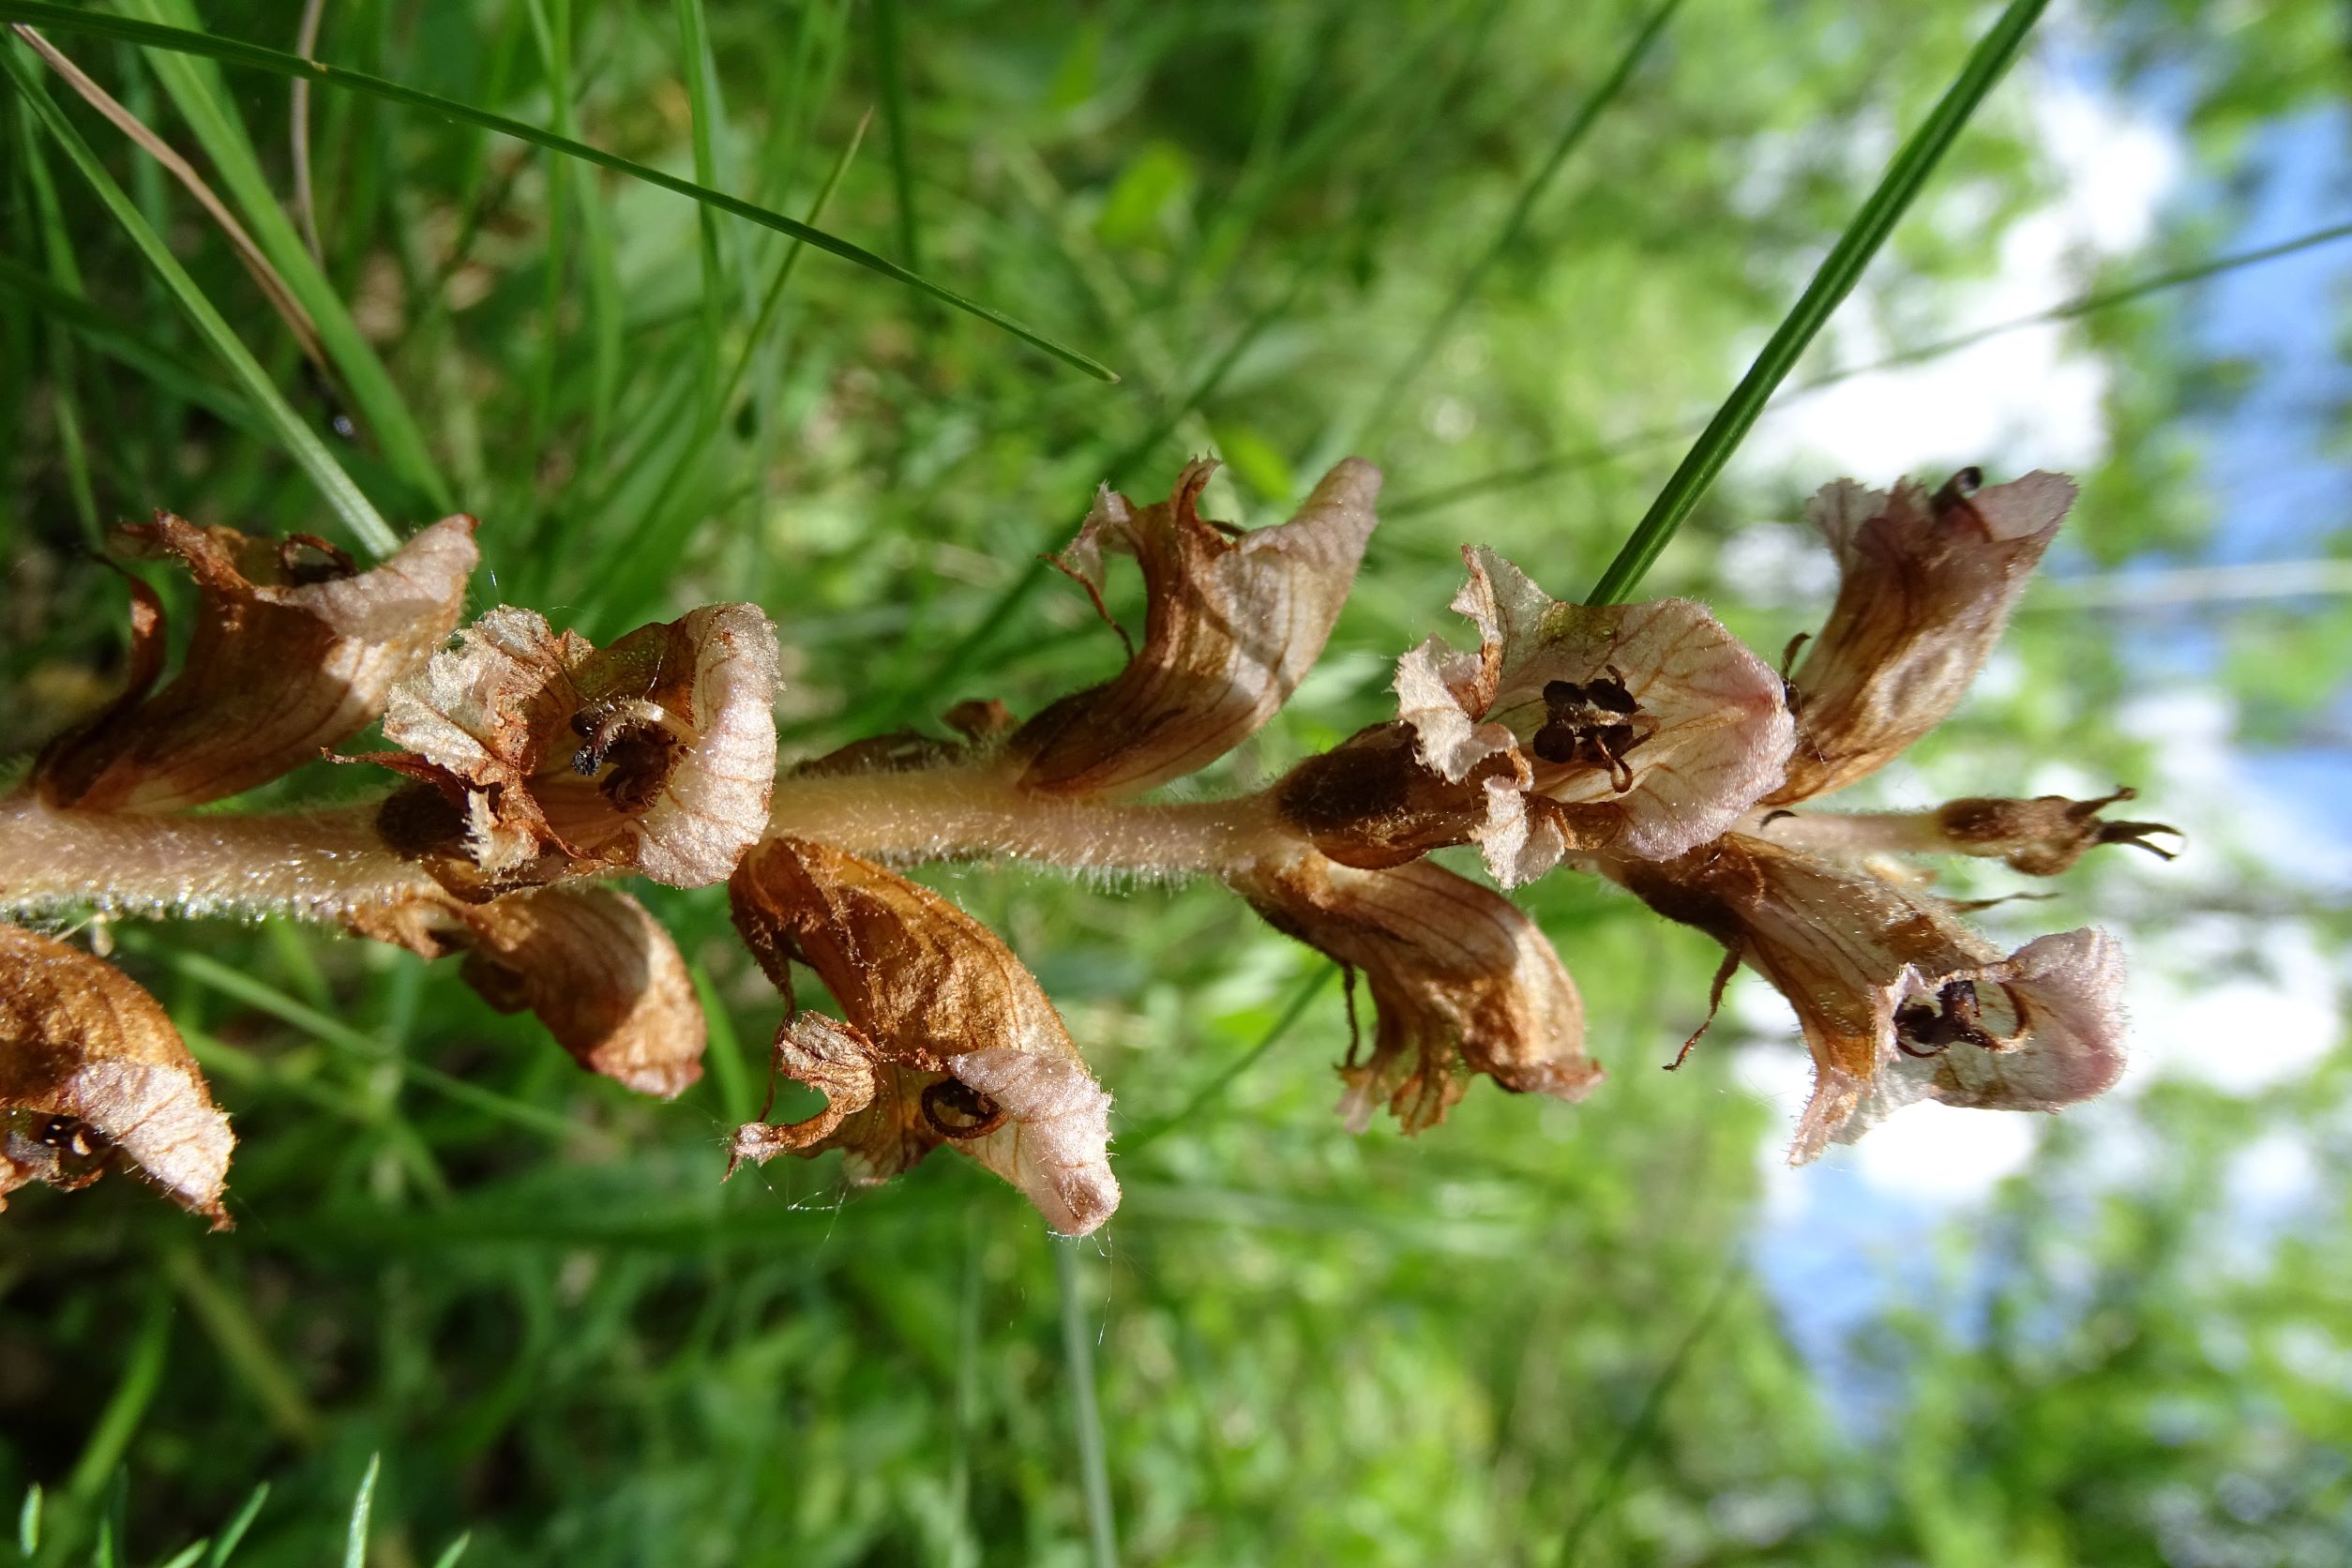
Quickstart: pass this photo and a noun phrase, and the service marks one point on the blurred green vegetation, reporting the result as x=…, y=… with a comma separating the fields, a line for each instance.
x=1537, y=1333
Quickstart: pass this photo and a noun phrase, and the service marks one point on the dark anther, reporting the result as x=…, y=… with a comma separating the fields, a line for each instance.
x=1923, y=1031
x=637, y=740
x=958, y=1110
x=1595, y=722
x=1958, y=489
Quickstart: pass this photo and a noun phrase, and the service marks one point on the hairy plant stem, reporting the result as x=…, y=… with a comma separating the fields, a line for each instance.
x=325, y=865
x=977, y=811
x=313, y=865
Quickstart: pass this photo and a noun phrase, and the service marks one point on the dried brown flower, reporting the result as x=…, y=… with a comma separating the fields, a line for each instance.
x=1647, y=727
x=947, y=1040
x=1899, y=1000
x=595, y=967
x=1463, y=983
x=93, y=1075
x=1928, y=582
x=294, y=650
x=1233, y=625
x=657, y=754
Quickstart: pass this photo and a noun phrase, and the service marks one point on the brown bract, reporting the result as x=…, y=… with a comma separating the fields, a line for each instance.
x=294, y=650
x=1462, y=982
x=657, y=754
x=92, y=1074
x=1647, y=727
x=947, y=1039
x=1927, y=583
x=589, y=961
x=1231, y=626
x=1899, y=1000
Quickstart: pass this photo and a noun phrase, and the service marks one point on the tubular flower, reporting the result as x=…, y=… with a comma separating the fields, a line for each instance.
x=657, y=754
x=93, y=1075
x=1927, y=583
x=1641, y=729
x=1462, y=980
x=589, y=961
x=294, y=650
x=947, y=1038
x=1233, y=623
x=1899, y=1000
x=2039, y=838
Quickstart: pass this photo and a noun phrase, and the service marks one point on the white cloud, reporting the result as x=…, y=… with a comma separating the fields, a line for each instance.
x=2022, y=400
x=2240, y=1005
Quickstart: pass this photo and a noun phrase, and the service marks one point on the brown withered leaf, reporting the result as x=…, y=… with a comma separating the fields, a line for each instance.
x=1651, y=727
x=657, y=753
x=1462, y=980
x=948, y=1038
x=1233, y=625
x=1927, y=585
x=92, y=1074
x=589, y=961
x=293, y=651
x=1899, y=999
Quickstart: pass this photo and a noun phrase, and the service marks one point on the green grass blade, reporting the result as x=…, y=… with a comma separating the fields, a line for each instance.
x=226, y=1542
x=301, y=442
x=1905, y=177
x=631, y=571
x=29, y=1522
x=355, y=1533
x=68, y=18
x=1086, y=1414
x=694, y=47
x=1579, y=126
x=890, y=69
x=126, y=1407
x=202, y=101
x=236, y=984
x=454, y=1552
x=186, y=1556
x=2066, y=309
x=1643, y=1428
x=1292, y=1010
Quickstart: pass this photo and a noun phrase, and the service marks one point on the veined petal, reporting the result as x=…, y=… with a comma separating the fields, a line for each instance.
x=657, y=753
x=1233, y=625
x=947, y=1038
x=1927, y=583
x=294, y=650
x=1899, y=999
x=1462, y=980
x=92, y=1074
x=1649, y=723
x=589, y=961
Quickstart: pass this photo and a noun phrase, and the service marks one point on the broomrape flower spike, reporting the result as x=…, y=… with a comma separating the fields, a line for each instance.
x=1640, y=742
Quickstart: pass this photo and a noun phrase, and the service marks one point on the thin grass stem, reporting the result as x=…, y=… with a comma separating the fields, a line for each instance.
x=1906, y=176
